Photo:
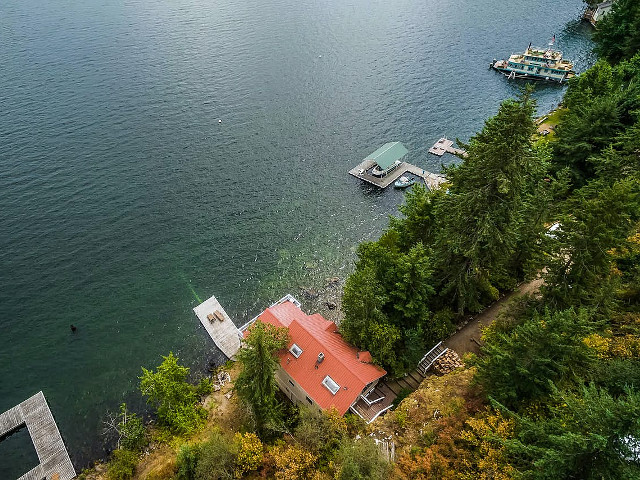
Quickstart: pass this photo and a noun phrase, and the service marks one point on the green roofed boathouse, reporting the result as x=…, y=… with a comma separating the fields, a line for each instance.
x=385, y=166
x=387, y=158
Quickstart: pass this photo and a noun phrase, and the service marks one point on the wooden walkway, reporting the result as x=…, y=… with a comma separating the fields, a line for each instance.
x=363, y=172
x=35, y=414
x=445, y=145
x=219, y=326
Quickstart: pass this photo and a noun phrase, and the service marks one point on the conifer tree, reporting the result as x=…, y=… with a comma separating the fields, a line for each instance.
x=588, y=435
x=481, y=217
x=256, y=384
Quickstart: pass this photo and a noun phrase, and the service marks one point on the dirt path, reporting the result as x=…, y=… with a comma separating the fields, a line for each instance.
x=465, y=340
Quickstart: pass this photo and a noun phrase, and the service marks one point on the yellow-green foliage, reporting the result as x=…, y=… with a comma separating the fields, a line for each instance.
x=122, y=465
x=481, y=434
x=250, y=453
x=292, y=462
x=626, y=346
x=436, y=397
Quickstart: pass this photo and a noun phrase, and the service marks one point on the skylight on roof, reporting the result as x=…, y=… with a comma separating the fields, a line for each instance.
x=295, y=350
x=332, y=386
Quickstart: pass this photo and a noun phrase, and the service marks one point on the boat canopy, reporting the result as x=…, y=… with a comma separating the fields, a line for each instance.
x=388, y=154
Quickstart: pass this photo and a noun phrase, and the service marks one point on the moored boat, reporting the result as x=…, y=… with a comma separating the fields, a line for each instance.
x=404, y=182
x=536, y=64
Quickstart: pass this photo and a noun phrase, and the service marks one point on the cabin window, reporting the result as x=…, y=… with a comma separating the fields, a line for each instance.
x=331, y=385
x=292, y=384
x=310, y=401
x=295, y=350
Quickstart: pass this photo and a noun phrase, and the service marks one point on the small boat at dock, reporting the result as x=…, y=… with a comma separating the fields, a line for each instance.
x=404, y=182
x=536, y=64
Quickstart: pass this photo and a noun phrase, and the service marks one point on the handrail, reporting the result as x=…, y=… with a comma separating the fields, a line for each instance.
x=427, y=354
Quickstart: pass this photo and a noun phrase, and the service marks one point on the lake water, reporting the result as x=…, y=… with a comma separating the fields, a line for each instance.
x=123, y=199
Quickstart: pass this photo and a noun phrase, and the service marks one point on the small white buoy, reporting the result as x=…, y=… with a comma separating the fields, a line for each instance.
x=219, y=121
x=319, y=56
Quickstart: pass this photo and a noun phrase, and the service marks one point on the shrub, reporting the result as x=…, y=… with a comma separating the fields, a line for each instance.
x=402, y=394
x=361, y=460
x=216, y=459
x=249, y=453
x=292, y=462
x=122, y=465
x=320, y=432
x=187, y=462
x=131, y=429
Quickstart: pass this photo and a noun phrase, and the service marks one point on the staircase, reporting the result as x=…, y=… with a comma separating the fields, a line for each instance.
x=432, y=355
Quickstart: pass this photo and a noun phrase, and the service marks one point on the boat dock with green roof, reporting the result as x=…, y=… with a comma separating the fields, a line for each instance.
x=384, y=166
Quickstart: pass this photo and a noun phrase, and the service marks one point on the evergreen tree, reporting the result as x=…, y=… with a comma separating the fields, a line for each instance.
x=588, y=435
x=618, y=33
x=256, y=384
x=600, y=218
x=518, y=366
x=386, y=303
x=480, y=220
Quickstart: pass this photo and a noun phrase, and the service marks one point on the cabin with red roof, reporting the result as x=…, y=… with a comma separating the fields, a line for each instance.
x=319, y=368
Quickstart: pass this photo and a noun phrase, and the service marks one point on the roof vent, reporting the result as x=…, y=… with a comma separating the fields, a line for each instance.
x=320, y=357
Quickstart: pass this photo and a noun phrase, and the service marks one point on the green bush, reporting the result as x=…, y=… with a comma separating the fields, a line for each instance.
x=216, y=459
x=361, y=460
x=133, y=435
x=122, y=465
x=174, y=398
x=317, y=434
x=402, y=394
x=187, y=462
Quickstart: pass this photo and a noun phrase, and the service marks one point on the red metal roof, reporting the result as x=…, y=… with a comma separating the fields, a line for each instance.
x=348, y=367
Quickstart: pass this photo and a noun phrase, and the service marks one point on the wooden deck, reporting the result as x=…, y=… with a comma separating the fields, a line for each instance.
x=224, y=333
x=363, y=172
x=445, y=145
x=370, y=412
x=391, y=388
x=52, y=454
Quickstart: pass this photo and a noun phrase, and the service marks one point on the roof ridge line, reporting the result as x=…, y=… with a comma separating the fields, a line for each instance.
x=336, y=356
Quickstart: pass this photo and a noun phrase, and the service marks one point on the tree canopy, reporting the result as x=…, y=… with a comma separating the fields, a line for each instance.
x=256, y=384
x=174, y=398
x=454, y=250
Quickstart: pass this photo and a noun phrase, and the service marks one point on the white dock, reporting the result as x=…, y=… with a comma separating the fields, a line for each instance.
x=54, y=460
x=219, y=326
x=445, y=145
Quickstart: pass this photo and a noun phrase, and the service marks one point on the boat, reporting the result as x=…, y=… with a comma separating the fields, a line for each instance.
x=536, y=64
x=404, y=182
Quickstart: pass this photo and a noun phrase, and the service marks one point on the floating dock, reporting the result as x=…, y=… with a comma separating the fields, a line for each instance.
x=445, y=145
x=363, y=172
x=219, y=326
x=54, y=459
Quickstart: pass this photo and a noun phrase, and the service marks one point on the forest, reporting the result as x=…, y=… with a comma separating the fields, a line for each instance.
x=554, y=392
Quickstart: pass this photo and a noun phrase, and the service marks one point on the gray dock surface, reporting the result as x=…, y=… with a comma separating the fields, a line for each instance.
x=363, y=172
x=52, y=454
x=443, y=146
x=224, y=333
